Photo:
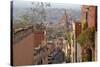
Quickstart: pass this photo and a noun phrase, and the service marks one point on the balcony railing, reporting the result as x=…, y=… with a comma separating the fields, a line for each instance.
x=19, y=34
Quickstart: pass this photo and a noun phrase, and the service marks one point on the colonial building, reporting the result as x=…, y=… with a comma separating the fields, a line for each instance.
x=29, y=47
x=40, y=50
x=89, y=17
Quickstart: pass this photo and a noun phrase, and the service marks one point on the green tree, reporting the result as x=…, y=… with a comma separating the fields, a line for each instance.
x=87, y=36
x=24, y=21
x=84, y=25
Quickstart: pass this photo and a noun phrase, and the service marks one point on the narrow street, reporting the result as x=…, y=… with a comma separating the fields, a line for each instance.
x=46, y=34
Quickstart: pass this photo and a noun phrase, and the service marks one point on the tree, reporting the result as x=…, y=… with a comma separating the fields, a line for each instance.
x=87, y=36
x=39, y=12
x=68, y=37
x=84, y=24
x=40, y=27
x=87, y=42
x=35, y=16
x=22, y=22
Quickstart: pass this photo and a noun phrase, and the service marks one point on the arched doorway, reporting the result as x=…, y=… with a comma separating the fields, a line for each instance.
x=39, y=62
x=89, y=54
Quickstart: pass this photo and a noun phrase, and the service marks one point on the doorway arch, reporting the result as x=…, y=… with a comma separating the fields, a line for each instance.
x=89, y=54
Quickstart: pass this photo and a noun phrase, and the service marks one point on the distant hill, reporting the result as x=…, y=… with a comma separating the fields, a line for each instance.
x=52, y=14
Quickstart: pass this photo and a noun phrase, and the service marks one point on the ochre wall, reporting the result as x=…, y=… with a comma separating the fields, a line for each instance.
x=23, y=51
x=92, y=16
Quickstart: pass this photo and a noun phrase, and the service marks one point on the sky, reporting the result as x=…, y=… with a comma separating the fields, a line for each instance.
x=28, y=4
x=53, y=5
